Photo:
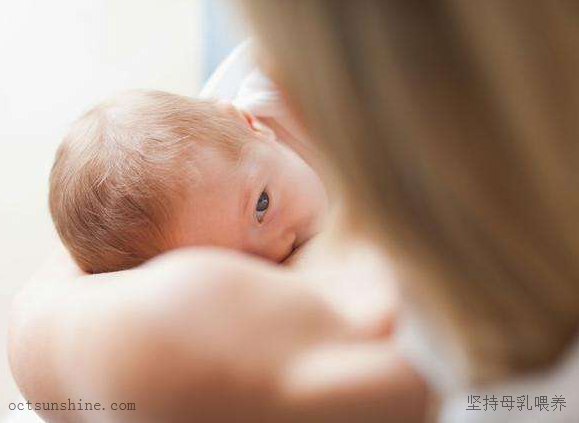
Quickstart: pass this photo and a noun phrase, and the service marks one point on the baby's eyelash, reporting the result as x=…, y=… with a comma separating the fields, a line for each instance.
x=262, y=206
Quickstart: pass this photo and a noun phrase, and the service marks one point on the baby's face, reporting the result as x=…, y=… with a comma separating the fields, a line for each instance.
x=267, y=204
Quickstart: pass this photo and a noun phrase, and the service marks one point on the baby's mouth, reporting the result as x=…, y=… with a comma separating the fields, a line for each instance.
x=297, y=244
x=294, y=248
x=289, y=254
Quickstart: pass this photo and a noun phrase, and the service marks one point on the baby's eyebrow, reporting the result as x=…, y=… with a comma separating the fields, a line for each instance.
x=247, y=191
x=245, y=199
x=247, y=187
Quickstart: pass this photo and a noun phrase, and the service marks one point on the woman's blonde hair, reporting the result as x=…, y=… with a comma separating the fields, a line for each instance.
x=454, y=126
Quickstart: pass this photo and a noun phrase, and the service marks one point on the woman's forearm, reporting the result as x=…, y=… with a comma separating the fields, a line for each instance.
x=201, y=336
x=189, y=333
x=103, y=338
x=70, y=332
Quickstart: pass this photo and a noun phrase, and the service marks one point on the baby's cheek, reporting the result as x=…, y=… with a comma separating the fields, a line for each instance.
x=269, y=244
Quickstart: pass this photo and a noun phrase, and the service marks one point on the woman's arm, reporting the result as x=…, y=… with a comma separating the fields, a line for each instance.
x=200, y=335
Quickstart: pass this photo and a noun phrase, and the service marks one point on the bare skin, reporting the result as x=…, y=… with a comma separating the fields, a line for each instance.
x=267, y=203
x=204, y=335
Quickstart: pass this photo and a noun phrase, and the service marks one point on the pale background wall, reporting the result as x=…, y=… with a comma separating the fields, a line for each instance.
x=56, y=58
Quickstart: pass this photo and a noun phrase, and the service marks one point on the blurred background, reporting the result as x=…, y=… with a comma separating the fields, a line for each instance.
x=60, y=57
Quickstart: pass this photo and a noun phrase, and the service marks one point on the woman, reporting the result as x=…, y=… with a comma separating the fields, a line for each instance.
x=454, y=124
x=452, y=133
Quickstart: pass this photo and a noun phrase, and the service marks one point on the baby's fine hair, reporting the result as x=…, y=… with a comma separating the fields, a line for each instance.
x=122, y=171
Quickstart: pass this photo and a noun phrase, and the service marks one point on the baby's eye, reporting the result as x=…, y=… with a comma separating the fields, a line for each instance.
x=261, y=206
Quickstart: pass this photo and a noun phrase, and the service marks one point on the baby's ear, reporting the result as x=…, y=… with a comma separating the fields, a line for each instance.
x=258, y=126
x=264, y=130
x=249, y=118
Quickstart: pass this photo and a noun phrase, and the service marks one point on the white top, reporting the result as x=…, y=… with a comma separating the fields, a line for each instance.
x=238, y=80
x=225, y=82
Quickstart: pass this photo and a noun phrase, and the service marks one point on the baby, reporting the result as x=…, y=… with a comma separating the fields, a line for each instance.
x=148, y=171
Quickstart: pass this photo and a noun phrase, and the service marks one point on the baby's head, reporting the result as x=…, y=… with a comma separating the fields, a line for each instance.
x=148, y=171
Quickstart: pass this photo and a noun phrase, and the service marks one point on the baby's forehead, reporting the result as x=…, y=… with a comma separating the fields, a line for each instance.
x=214, y=167
x=212, y=206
